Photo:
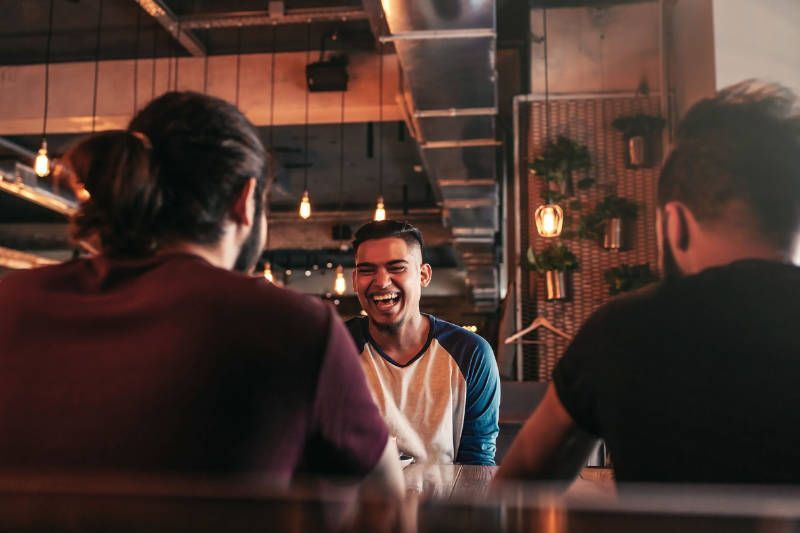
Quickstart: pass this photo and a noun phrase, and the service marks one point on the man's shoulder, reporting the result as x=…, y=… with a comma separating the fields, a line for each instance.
x=457, y=337
x=469, y=350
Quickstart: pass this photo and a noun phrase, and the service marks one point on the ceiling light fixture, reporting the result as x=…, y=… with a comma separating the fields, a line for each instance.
x=268, y=272
x=549, y=217
x=305, y=201
x=41, y=165
x=339, y=285
x=96, y=64
x=380, y=209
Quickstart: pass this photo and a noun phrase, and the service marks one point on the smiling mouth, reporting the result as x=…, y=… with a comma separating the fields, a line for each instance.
x=386, y=300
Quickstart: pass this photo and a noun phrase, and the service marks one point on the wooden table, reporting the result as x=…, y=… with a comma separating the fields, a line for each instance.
x=449, y=481
x=464, y=482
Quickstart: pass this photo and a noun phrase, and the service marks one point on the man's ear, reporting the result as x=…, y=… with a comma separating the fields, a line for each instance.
x=677, y=219
x=244, y=204
x=425, y=273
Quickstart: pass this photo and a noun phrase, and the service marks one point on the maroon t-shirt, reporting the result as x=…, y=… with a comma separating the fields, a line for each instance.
x=170, y=365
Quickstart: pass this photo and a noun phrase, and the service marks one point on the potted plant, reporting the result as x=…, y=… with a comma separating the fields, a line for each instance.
x=607, y=220
x=554, y=262
x=557, y=162
x=628, y=277
x=640, y=133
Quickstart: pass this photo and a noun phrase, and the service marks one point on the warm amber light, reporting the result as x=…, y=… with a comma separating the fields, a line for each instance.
x=268, y=272
x=380, y=210
x=41, y=164
x=305, y=206
x=549, y=220
x=339, y=285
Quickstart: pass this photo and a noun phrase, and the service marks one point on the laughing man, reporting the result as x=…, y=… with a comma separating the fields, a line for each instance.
x=436, y=384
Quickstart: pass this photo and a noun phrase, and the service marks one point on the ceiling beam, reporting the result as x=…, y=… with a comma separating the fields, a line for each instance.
x=159, y=11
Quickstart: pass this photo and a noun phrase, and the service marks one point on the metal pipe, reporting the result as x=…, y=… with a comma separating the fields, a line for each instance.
x=159, y=11
x=263, y=18
x=456, y=112
x=467, y=143
x=419, y=35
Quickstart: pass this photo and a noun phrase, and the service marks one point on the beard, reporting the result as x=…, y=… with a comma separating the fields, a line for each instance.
x=252, y=247
x=387, y=328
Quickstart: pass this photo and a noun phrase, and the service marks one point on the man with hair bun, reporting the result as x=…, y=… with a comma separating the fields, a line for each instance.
x=695, y=381
x=161, y=354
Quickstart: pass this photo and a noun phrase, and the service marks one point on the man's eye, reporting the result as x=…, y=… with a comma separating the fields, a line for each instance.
x=366, y=270
x=397, y=269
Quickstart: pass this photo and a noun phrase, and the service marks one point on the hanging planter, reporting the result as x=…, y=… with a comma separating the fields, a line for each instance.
x=641, y=135
x=628, y=277
x=557, y=162
x=610, y=223
x=554, y=262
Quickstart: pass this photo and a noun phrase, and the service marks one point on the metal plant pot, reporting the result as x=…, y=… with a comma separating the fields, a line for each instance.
x=613, y=237
x=637, y=151
x=641, y=151
x=556, y=284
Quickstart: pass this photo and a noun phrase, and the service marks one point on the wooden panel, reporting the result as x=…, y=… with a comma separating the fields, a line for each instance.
x=587, y=121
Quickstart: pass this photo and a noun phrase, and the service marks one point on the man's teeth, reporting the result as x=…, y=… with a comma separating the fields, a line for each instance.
x=385, y=297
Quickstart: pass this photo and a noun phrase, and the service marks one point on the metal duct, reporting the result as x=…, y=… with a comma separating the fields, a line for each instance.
x=446, y=50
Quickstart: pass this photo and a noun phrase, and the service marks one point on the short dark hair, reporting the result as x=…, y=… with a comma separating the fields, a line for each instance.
x=388, y=228
x=742, y=144
x=172, y=175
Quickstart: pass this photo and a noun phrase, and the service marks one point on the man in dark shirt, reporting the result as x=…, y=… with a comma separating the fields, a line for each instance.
x=154, y=357
x=696, y=380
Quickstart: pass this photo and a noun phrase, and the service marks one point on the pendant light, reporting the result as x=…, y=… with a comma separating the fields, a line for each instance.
x=268, y=265
x=549, y=217
x=96, y=64
x=305, y=201
x=268, y=272
x=41, y=164
x=339, y=284
x=380, y=209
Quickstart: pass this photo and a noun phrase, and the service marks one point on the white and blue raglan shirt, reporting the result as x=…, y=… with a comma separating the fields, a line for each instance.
x=446, y=399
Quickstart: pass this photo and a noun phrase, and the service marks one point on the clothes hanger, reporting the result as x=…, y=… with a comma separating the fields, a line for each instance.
x=537, y=323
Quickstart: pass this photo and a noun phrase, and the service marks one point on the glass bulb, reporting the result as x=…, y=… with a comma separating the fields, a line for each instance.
x=380, y=211
x=549, y=220
x=305, y=206
x=41, y=164
x=268, y=272
x=339, y=285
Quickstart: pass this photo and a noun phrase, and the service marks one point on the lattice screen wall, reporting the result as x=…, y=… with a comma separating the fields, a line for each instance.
x=587, y=121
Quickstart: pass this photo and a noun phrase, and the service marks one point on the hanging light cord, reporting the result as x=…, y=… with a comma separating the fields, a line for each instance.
x=305, y=128
x=341, y=155
x=272, y=90
x=238, y=60
x=380, y=122
x=136, y=61
x=155, y=55
x=47, y=69
x=96, y=64
x=177, y=50
x=546, y=79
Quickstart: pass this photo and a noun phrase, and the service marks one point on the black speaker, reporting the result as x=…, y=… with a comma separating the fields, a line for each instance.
x=327, y=75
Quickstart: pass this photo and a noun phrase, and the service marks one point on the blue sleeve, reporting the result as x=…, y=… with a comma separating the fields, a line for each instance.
x=478, y=439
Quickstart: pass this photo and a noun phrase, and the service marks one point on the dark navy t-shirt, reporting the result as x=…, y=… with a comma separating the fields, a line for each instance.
x=168, y=364
x=695, y=381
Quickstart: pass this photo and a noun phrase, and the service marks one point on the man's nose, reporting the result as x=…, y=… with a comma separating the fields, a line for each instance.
x=382, y=278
